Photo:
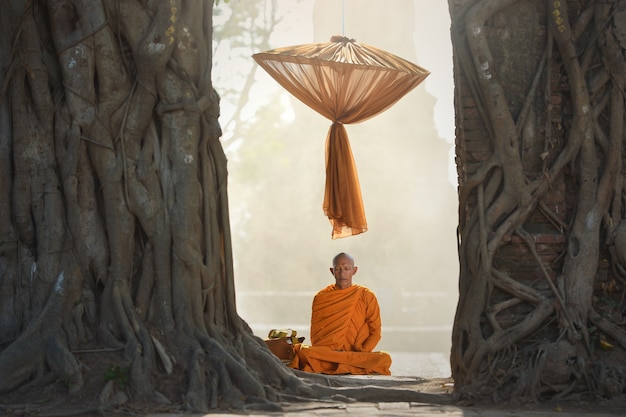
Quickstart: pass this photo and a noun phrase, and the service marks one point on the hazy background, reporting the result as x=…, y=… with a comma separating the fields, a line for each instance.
x=275, y=146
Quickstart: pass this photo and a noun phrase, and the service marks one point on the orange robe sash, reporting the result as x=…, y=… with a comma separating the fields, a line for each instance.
x=345, y=328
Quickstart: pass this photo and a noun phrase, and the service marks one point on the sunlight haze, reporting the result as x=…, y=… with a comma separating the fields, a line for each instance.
x=404, y=156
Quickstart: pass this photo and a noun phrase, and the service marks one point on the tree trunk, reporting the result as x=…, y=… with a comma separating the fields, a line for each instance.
x=114, y=227
x=540, y=113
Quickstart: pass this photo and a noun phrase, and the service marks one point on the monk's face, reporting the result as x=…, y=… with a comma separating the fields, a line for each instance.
x=343, y=271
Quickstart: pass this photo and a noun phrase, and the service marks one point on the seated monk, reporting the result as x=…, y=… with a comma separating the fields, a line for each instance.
x=345, y=328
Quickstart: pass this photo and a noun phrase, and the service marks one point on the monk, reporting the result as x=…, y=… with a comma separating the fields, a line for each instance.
x=345, y=328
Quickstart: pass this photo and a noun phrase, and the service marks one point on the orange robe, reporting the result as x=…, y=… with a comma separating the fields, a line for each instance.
x=345, y=328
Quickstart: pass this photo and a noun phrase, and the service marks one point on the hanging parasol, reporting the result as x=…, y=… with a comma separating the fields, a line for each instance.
x=346, y=82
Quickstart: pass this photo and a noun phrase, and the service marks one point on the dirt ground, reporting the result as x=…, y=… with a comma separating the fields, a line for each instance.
x=52, y=398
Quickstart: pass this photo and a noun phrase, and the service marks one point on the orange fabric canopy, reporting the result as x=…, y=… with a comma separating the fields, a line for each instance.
x=346, y=82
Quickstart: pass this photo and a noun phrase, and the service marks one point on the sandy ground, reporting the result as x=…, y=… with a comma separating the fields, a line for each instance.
x=422, y=364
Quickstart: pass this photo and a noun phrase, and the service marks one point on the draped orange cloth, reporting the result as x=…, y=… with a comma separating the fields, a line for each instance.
x=345, y=329
x=343, y=203
x=346, y=82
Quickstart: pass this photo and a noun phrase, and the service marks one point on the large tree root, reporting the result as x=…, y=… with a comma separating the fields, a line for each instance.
x=41, y=345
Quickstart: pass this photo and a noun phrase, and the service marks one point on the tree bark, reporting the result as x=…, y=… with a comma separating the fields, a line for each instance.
x=540, y=203
x=114, y=228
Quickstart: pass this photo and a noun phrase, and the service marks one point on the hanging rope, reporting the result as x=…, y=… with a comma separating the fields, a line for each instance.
x=343, y=17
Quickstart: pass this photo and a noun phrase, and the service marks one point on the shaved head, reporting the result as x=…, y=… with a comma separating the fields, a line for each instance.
x=343, y=269
x=342, y=255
